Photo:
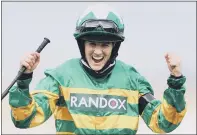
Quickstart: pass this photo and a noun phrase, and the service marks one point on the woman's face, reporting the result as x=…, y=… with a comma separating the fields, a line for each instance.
x=97, y=53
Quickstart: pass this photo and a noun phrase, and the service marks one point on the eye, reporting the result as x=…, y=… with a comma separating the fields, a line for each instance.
x=106, y=44
x=93, y=44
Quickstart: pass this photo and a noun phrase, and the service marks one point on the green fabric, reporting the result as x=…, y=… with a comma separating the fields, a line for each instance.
x=106, y=131
x=24, y=84
x=50, y=84
x=71, y=75
x=20, y=97
x=42, y=101
x=21, y=92
x=132, y=110
x=110, y=15
x=90, y=15
x=143, y=86
x=176, y=83
x=24, y=123
x=83, y=131
x=117, y=131
x=149, y=109
x=174, y=97
x=116, y=19
x=165, y=124
x=65, y=126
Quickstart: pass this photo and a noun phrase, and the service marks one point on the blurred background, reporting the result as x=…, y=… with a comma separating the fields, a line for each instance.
x=151, y=30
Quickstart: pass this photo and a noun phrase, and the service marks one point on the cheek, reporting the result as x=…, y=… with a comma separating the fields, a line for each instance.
x=87, y=52
x=108, y=52
x=88, y=56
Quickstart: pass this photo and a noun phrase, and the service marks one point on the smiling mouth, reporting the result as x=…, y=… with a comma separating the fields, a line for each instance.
x=97, y=60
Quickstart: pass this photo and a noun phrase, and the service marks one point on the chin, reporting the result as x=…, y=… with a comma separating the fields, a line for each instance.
x=96, y=69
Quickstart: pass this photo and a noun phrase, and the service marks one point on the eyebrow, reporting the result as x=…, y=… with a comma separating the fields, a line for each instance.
x=100, y=42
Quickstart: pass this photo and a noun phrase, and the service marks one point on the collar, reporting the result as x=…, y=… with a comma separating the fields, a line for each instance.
x=101, y=73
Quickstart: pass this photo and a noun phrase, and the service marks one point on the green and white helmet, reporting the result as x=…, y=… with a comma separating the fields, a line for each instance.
x=101, y=23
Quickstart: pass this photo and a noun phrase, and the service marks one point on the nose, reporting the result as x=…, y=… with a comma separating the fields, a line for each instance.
x=98, y=50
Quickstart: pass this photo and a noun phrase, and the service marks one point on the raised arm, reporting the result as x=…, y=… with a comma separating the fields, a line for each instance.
x=166, y=115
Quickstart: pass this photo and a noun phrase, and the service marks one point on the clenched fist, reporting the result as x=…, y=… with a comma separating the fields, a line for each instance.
x=30, y=61
x=174, y=64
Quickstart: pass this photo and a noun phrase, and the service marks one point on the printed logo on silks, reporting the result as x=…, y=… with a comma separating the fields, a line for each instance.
x=95, y=102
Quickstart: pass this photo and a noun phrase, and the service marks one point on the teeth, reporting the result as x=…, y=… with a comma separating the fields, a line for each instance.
x=98, y=58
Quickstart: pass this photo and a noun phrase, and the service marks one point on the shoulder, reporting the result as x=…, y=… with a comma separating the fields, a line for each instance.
x=142, y=83
x=69, y=63
x=62, y=73
x=126, y=67
x=64, y=67
x=130, y=70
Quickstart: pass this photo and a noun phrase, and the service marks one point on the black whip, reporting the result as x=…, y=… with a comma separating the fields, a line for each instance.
x=22, y=70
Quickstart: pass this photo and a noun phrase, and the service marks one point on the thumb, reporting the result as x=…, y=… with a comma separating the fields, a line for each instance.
x=167, y=57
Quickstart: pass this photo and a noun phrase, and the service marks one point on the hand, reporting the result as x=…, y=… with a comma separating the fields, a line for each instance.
x=30, y=61
x=174, y=64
